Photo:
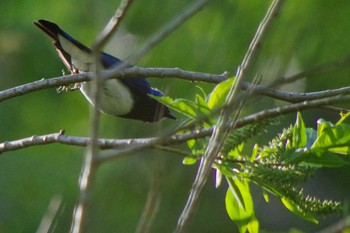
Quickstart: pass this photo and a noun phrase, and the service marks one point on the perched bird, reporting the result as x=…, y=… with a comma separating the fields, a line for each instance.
x=126, y=97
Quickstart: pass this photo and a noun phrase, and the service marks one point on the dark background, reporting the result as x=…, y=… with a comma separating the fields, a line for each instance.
x=306, y=34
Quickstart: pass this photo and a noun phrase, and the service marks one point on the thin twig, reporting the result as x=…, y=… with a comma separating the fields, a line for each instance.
x=128, y=72
x=81, y=213
x=47, y=222
x=112, y=25
x=220, y=131
x=292, y=97
x=153, y=199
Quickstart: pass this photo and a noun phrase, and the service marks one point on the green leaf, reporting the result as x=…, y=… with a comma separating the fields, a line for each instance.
x=266, y=196
x=333, y=136
x=196, y=146
x=292, y=207
x=255, y=153
x=183, y=106
x=322, y=125
x=189, y=161
x=202, y=105
x=299, y=133
x=217, y=97
x=239, y=205
x=311, y=135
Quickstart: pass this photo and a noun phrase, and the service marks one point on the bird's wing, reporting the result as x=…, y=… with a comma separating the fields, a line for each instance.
x=139, y=83
x=73, y=54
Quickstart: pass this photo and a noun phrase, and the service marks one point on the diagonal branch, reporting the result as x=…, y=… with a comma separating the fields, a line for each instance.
x=88, y=173
x=112, y=25
x=220, y=131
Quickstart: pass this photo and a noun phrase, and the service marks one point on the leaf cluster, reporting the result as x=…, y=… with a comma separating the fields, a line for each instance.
x=280, y=167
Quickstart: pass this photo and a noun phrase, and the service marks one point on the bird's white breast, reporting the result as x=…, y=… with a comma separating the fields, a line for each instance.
x=115, y=98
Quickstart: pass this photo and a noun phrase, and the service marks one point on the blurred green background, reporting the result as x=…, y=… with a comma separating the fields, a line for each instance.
x=306, y=34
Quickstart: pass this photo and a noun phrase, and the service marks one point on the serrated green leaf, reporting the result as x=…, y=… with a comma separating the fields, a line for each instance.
x=218, y=95
x=292, y=207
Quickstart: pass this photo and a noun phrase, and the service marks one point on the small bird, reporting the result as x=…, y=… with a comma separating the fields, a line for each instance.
x=126, y=97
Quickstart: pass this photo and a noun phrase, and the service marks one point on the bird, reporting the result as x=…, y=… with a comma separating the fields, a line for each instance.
x=127, y=97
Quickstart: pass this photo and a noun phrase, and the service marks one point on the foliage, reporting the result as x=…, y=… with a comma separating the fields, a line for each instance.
x=213, y=41
x=279, y=168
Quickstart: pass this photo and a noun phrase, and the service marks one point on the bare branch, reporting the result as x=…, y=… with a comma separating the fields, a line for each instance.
x=129, y=72
x=81, y=213
x=41, y=85
x=153, y=199
x=112, y=25
x=170, y=140
x=169, y=72
x=293, y=97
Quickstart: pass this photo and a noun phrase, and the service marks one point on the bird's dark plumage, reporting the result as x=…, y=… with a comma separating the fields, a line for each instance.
x=127, y=97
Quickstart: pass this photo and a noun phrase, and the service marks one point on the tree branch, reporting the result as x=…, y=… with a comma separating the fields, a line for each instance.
x=112, y=25
x=82, y=209
x=220, y=130
x=61, y=138
x=129, y=72
x=166, y=73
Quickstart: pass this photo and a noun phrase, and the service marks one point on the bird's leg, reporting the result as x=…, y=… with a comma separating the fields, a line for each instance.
x=65, y=88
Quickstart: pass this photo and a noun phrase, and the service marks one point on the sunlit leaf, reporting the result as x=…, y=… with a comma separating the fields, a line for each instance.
x=322, y=125
x=266, y=196
x=218, y=95
x=189, y=161
x=333, y=136
x=255, y=153
x=202, y=105
x=239, y=206
x=299, y=133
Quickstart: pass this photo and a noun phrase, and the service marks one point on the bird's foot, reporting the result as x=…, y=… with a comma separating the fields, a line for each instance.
x=75, y=87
